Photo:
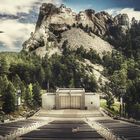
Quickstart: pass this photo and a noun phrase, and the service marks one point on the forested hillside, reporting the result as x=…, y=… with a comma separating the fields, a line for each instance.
x=50, y=60
x=123, y=69
x=29, y=73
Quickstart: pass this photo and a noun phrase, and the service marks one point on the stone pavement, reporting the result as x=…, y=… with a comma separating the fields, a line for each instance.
x=11, y=130
x=69, y=113
x=64, y=130
x=59, y=125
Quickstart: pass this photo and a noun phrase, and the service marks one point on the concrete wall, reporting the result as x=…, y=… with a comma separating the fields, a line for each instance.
x=58, y=95
x=92, y=101
x=48, y=101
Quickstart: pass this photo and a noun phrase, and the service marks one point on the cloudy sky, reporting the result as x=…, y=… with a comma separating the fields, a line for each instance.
x=18, y=17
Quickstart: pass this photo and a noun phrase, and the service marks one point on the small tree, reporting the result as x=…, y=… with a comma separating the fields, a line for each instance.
x=41, y=75
x=110, y=100
x=4, y=67
x=109, y=96
x=9, y=99
x=29, y=96
x=3, y=84
x=48, y=74
x=23, y=91
x=36, y=94
x=16, y=81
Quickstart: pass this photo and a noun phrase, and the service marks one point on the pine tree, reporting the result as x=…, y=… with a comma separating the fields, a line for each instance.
x=17, y=82
x=9, y=99
x=29, y=96
x=36, y=94
x=4, y=67
x=48, y=76
x=41, y=76
x=23, y=90
x=3, y=84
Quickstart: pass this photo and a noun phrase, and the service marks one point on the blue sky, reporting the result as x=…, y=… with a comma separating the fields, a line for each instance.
x=18, y=17
x=100, y=5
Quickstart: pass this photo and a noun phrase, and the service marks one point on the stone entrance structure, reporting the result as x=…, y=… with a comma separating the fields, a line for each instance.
x=70, y=98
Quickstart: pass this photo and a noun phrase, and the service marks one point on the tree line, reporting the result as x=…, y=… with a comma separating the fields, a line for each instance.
x=123, y=69
x=30, y=74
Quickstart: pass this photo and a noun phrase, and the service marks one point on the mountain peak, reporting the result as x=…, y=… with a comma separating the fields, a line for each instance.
x=54, y=22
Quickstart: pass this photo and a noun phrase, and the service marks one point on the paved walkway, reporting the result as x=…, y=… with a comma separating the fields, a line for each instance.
x=59, y=125
x=92, y=125
x=64, y=130
x=11, y=130
x=69, y=113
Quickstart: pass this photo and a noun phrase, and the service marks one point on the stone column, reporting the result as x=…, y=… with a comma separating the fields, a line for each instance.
x=57, y=101
x=83, y=101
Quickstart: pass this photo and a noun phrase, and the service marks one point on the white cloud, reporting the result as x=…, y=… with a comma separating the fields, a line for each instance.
x=129, y=11
x=14, y=32
x=80, y=7
x=15, y=6
x=12, y=7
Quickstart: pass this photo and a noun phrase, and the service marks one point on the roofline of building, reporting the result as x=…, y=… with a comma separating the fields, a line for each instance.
x=71, y=89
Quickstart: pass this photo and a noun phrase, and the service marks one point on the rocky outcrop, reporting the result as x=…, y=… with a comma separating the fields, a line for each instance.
x=77, y=37
x=134, y=21
x=53, y=23
x=97, y=22
x=122, y=19
x=45, y=11
x=95, y=69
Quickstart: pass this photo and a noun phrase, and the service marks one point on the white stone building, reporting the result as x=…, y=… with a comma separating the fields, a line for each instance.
x=71, y=98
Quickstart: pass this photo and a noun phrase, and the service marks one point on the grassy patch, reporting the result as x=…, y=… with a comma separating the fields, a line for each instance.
x=114, y=108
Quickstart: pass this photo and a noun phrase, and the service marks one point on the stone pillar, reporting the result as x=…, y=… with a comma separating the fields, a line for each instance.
x=83, y=101
x=57, y=101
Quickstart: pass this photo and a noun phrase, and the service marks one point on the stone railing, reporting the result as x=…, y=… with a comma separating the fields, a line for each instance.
x=104, y=132
x=14, y=135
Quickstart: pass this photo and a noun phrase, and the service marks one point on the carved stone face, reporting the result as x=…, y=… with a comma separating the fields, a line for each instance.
x=82, y=16
x=125, y=20
x=62, y=9
x=74, y=15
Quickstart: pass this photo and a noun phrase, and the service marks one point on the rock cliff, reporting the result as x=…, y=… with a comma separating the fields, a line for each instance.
x=87, y=28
